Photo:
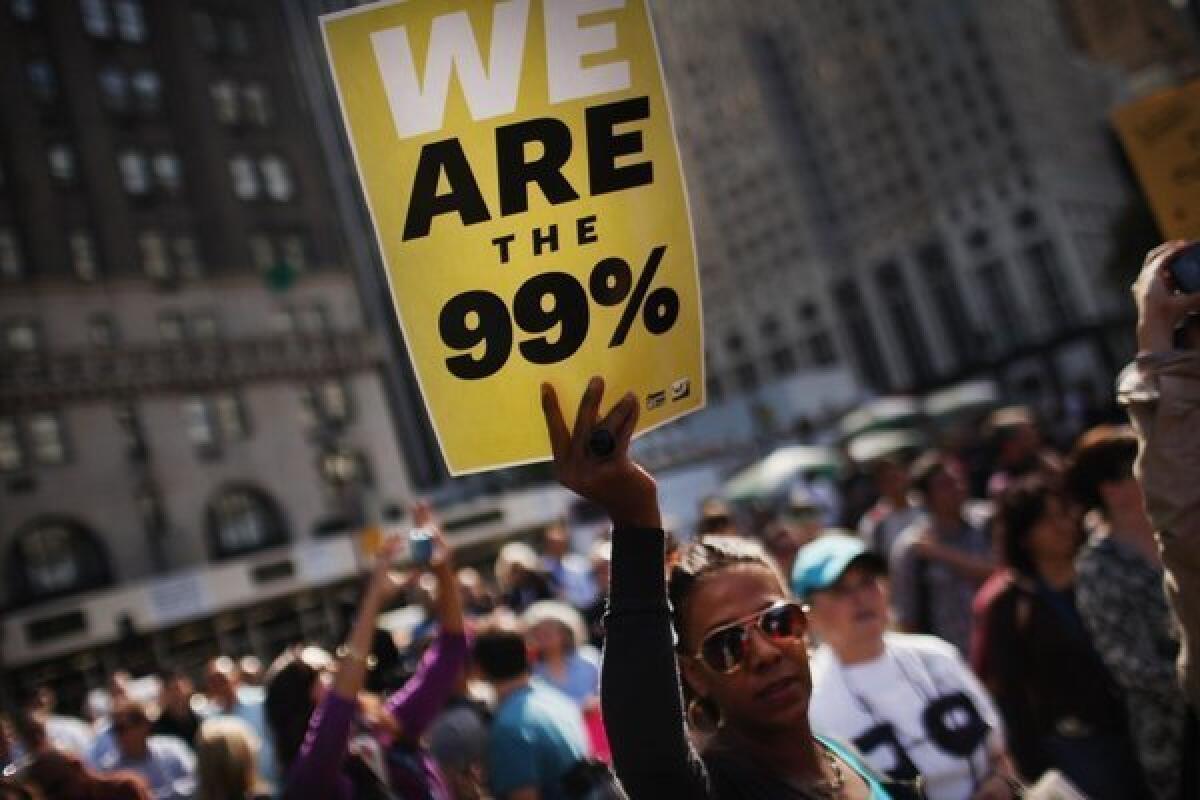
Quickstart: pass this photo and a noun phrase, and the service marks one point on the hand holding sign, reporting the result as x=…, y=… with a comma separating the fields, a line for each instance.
x=472, y=166
x=612, y=480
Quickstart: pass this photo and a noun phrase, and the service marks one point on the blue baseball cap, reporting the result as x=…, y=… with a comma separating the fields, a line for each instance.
x=821, y=562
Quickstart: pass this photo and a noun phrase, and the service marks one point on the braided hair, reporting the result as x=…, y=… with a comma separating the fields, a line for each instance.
x=706, y=556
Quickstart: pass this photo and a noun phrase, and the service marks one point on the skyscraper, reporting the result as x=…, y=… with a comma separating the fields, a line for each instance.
x=189, y=379
x=921, y=188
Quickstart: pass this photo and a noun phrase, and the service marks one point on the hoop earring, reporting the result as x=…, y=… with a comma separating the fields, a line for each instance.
x=702, y=715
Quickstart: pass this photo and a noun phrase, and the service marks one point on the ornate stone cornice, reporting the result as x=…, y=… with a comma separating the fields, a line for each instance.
x=59, y=378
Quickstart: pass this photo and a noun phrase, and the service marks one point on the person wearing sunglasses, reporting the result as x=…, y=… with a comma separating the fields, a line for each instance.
x=740, y=643
x=907, y=702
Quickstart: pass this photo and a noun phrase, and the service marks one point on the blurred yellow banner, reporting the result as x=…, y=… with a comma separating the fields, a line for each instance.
x=521, y=170
x=1161, y=134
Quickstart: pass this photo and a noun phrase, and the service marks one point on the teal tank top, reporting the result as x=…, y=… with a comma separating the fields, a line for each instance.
x=877, y=790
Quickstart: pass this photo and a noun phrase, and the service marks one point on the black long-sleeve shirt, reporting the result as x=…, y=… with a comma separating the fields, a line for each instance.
x=639, y=685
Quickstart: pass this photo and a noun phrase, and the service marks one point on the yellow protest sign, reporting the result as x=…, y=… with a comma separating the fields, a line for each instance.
x=1161, y=134
x=521, y=171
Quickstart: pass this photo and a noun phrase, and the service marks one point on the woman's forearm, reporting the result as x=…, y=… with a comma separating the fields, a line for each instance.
x=640, y=690
x=351, y=671
x=449, y=598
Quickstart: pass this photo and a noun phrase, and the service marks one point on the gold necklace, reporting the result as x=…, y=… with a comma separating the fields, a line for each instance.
x=828, y=789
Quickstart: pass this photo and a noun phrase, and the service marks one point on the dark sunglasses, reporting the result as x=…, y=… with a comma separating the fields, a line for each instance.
x=724, y=649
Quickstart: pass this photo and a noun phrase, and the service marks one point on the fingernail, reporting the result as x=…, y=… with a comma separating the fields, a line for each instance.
x=595, y=383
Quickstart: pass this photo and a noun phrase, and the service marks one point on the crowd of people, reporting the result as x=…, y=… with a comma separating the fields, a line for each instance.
x=924, y=643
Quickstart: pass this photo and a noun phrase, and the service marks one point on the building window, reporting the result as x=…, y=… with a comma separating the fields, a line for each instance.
x=262, y=252
x=11, y=263
x=1025, y=218
x=149, y=503
x=187, y=257
x=1057, y=302
x=257, y=104
x=277, y=177
x=295, y=251
x=310, y=407
x=131, y=428
x=46, y=439
x=54, y=557
x=168, y=172
x=135, y=173
x=329, y=402
x=62, y=163
x=224, y=97
x=131, y=22
x=214, y=421
x=822, y=350
x=245, y=177
x=231, y=418
x=22, y=337
x=237, y=37
x=155, y=264
x=170, y=327
x=96, y=19
x=24, y=10
x=747, y=377
x=102, y=331
x=943, y=285
x=342, y=467
x=783, y=360
x=204, y=326
x=314, y=319
x=334, y=401
x=242, y=520
x=83, y=256
x=147, y=90
x=12, y=456
x=201, y=428
x=283, y=321
x=114, y=89
x=856, y=322
x=1005, y=328
x=893, y=288
x=205, y=29
x=42, y=81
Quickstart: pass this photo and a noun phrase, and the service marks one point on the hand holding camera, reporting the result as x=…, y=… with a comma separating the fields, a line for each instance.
x=1166, y=292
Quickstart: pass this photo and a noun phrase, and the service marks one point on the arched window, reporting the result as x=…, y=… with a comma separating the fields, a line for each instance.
x=242, y=520
x=55, y=556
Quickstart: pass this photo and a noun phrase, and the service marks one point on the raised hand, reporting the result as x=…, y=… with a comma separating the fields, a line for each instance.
x=443, y=553
x=1160, y=310
x=611, y=480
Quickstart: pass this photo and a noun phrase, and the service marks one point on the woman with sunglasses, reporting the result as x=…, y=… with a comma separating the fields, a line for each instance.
x=907, y=702
x=740, y=643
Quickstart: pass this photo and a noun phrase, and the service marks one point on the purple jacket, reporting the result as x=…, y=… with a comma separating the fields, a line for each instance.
x=316, y=773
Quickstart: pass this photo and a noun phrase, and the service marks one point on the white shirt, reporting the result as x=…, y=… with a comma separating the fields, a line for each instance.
x=941, y=718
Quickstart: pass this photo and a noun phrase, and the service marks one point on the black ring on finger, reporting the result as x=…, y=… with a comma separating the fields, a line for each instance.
x=601, y=443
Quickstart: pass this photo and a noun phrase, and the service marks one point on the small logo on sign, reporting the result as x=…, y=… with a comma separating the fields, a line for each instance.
x=681, y=389
x=655, y=399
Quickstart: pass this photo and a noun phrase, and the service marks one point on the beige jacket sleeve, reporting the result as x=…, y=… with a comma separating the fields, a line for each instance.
x=1161, y=391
